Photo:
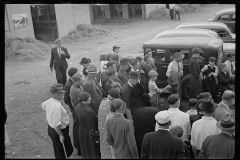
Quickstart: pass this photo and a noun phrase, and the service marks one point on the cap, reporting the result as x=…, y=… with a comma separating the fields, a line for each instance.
x=124, y=61
x=114, y=92
x=55, y=88
x=152, y=73
x=133, y=75
x=116, y=46
x=72, y=71
x=84, y=96
x=163, y=117
x=197, y=51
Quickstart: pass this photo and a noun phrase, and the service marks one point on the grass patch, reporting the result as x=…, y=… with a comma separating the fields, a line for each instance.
x=24, y=49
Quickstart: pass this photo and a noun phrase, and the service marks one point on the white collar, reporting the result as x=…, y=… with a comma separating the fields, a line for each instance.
x=163, y=129
x=134, y=71
x=57, y=101
x=130, y=84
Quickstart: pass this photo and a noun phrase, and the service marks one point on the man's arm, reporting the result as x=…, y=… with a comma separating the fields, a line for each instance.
x=202, y=153
x=194, y=69
x=180, y=151
x=67, y=55
x=129, y=132
x=169, y=69
x=109, y=138
x=144, y=148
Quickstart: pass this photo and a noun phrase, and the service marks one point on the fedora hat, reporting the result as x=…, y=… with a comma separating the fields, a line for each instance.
x=92, y=69
x=226, y=124
x=163, y=117
x=116, y=46
x=56, y=88
x=197, y=50
x=178, y=56
x=85, y=61
x=208, y=105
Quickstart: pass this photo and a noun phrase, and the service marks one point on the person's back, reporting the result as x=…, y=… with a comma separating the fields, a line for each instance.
x=118, y=126
x=220, y=146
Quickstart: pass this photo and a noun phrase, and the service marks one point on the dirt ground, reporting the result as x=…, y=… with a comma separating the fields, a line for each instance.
x=27, y=83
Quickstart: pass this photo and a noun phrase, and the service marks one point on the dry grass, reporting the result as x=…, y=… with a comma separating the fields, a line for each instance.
x=24, y=49
x=84, y=31
x=190, y=7
x=158, y=13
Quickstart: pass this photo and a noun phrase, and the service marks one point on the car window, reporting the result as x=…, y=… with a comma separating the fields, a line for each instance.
x=223, y=17
x=222, y=33
x=232, y=17
x=159, y=54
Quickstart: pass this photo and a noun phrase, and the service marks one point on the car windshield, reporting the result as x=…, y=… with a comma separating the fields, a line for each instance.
x=231, y=31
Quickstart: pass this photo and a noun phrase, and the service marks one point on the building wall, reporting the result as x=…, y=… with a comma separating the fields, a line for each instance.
x=151, y=7
x=19, y=9
x=7, y=28
x=64, y=17
x=81, y=14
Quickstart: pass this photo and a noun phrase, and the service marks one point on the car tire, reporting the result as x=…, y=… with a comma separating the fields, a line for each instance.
x=186, y=89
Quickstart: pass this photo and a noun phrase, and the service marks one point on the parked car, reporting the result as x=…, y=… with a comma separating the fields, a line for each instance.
x=163, y=50
x=190, y=32
x=222, y=29
x=226, y=16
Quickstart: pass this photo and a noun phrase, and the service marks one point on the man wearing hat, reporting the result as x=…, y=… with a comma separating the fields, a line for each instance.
x=75, y=91
x=58, y=122
x=175, y=72
x=161, y=144
x=122, y=74
x=116, y=49
x=111, y=68
x=204, y=127
x=194, y=68
x=220, y=146
x=225, y=106
x=85, y=62
x=113, y=78
x=127, y=89
x=92, y=87
x=58, y=59
x=223, y=78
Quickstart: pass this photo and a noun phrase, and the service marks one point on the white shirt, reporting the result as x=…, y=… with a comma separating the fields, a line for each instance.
x=175, y=7
x=130, y=84
x=202, y=128
x=55, y=113
x=228, y=65
x=103, y=64
x=173, y=67
x=171, y=6
x=181, y=119
x=152, y=86
x=192, y=112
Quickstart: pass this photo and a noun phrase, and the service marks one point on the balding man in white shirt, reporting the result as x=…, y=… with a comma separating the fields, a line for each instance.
x=58, y=122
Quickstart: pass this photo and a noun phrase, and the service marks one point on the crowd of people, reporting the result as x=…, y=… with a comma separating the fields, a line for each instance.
x=117, y=113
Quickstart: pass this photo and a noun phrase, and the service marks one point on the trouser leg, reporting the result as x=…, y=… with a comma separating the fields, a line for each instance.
x=64, y=76
x=59, y=76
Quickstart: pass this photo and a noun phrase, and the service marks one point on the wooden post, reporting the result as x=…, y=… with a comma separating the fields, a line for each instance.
x=125, y=11
x=107, y=12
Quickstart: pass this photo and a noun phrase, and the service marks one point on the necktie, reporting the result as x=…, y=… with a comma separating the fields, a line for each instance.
x=178, y=67
x=231, y=66
x=59, y=50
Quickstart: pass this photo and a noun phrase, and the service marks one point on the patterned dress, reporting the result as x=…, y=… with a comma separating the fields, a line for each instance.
x=103, y=112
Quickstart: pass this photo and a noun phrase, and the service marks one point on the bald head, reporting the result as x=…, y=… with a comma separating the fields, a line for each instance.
x=228, y=95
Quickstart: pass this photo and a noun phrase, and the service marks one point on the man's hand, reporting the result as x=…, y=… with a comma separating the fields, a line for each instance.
x=51, y=69
x=62, y=53
x=61, y=138
x=210, y=74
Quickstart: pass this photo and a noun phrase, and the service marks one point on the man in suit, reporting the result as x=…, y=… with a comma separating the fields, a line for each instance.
x=93, y=87
x=194, y=68
x=162, y=144
x=127, y=89
x=58, y=59
x=223, y=109
x=220, y=146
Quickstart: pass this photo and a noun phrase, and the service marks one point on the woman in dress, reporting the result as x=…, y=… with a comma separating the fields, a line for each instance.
x=88, y=128
x=103, y=112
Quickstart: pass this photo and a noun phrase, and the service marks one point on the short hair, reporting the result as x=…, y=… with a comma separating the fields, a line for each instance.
x=134, y=62
x=192, y=102
x=212, y=59
x=110, y=64
x=116, y=104
x=173, y=98
x=139, y=58
x=177, y=130
x=228, y=95
x=84, y=71
x=204, y=95
x=146, y=57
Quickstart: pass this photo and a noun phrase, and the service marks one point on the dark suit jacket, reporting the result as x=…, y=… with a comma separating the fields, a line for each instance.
x=55, y=59
x=162, y=145
x=126, y=94
x=96, y=95
x=223, y=80
x=220, y=112
x=221, y=146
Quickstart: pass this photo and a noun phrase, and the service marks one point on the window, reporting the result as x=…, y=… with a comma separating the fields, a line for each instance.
x=223, y=17
x=232, y=17
x=158, y=54
x=222, y=33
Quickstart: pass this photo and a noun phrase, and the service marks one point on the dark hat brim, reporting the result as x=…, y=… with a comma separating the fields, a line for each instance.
x=81, y=62
x=222, y=128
